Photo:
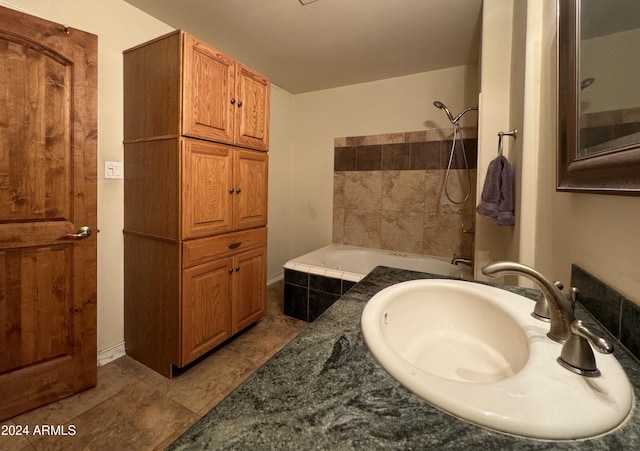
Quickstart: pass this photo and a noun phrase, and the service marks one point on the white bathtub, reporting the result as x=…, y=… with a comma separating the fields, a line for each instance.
x=352, y=263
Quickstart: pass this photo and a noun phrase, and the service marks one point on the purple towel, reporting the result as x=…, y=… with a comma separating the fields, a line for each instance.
x=497, y=193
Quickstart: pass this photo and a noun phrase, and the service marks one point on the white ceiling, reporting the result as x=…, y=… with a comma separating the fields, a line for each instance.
x=613, y=16
x=331, y=43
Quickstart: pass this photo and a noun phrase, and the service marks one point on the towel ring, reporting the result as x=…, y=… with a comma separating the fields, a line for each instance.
x=512, y=133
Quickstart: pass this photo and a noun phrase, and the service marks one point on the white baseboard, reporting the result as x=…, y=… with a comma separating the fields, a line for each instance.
x=114, y=352
x=275, y=278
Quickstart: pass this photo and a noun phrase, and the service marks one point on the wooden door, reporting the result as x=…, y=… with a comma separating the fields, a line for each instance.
x=207, y=188
x=208, y=84
x=206, y=309
x=249, y=288
x=48, y=134
x=251, y=180
x=253, y=93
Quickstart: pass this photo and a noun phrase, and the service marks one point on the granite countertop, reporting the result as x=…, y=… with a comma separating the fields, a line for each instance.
x=324, y=390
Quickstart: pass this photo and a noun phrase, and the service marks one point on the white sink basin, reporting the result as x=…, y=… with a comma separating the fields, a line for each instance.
x=476, y=352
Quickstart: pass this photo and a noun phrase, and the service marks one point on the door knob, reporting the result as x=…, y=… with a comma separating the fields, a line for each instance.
x=84, y=232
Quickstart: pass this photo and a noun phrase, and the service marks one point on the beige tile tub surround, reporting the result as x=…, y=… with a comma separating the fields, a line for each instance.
x=388, y=192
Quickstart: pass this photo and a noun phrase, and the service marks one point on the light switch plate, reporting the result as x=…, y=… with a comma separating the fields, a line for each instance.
x=113, y=170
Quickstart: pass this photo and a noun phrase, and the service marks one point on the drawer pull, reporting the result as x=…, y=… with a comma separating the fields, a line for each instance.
x=235, y=245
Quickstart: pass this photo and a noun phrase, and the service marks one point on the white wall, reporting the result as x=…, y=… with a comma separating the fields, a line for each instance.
x=613, y=62
x=394, y=105
x=280, y=170
x=120, y=26
x=494, y=242
x=549, y=231
x=301, y=149
x=597, y=232
x=519, y=155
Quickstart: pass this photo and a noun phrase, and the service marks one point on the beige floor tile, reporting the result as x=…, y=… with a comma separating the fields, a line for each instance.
x=136, y=418
x=200, y=384
x=142, y=373
x=11, y=438
x=111, y=380
x=175, y=435
x=134, y=407
x=210, y=380
x=264, y=339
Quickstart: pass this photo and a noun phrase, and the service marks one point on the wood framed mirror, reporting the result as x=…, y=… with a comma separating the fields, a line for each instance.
x=599, y=96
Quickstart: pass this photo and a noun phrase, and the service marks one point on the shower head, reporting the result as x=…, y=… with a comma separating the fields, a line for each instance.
x=439, y=104
x=457, y=118
x=454, y=120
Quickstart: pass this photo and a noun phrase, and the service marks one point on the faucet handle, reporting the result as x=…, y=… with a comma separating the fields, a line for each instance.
x=573, y=296
x=601, y=344
x=541, y=310
x=577, y=355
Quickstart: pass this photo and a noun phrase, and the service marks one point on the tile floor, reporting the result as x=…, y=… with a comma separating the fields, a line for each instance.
x=134, y=408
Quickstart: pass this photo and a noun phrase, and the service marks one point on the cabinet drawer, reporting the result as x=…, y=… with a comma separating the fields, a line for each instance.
x=202, y=250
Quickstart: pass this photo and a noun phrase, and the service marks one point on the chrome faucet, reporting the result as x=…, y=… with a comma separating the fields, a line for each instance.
x=560, y=308
x=577, y=354
x=458, y=260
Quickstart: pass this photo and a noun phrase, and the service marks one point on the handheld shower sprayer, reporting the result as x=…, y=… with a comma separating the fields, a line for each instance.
x=439, y=104
x=454, y=120
x=457, y=134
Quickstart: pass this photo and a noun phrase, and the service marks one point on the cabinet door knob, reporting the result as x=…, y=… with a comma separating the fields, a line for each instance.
x=231, y=190
x=237, y=190
x=230, y=270
x=239, y=104
x=233, y=101
x=237, y=268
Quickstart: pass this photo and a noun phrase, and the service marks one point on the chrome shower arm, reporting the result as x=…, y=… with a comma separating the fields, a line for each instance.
x=459, y=116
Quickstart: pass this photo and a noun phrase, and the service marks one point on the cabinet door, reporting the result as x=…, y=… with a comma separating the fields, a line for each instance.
x=250, y=181
x=208, y=87
x=249, y=288
x=252, y=109
x=207, y=188
x=206, y=312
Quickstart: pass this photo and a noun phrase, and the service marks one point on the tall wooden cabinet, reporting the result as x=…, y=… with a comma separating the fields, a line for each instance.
x=196, y=139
